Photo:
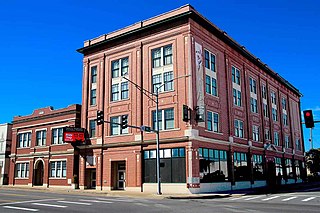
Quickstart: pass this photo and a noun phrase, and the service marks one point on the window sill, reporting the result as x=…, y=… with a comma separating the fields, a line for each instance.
x=24, y=147
x=60, y=144
x=218, y=133
x=16, y=178
x=58, y=178
x=121, y=135
x=165, y=130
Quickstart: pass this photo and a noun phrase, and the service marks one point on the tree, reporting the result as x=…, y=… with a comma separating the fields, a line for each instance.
x=313, y=161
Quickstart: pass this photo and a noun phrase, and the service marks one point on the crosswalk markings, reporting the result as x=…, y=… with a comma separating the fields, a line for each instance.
x=252, y=198
x=20, y=208
x=289, y=198
x=96, y=201
x=72, y=202
x=49, y=205
x=270, y=198
x=307, y=199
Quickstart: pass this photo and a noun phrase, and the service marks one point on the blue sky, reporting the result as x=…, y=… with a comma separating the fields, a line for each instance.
x=40, y=66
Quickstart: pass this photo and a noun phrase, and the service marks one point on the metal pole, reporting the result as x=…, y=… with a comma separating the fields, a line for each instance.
x=157, y=140
x=311, y=140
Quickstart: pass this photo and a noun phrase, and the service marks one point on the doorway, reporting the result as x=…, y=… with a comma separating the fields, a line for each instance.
x=38, y=173
x=118, y=175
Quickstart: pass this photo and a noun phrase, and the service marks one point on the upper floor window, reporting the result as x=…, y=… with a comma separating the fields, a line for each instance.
x=120, y=67
x=255, y=133
x=235, y=75
x=276, y=139
x=284, y=104
x=274, y=114
x=41, y=137
x=92, y=128
x=57, y=136
x=238, y=128
x=24, y=139
x=264, y=92
x=298, y=144
x=210, y=60
x=287, y=141
x=236, y=97
x=93, y=97
x=115, y=127
x=165, y=119
x=94, y=74
x=267, y=134
x=213, y=121
x=211, y=85
x=253, y=86
x=273, y=98
x=285, y=120
x=265, y=110
x=254, y=105
x=161, y=56
x=166, y=78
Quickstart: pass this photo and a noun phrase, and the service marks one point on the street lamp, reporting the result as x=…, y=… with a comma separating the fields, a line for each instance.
x=156, y=130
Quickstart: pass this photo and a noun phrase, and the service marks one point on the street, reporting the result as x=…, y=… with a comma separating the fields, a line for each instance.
x=49, y=201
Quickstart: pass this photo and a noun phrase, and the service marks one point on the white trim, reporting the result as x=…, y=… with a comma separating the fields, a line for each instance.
x=58, y=127
x=40, y=124
x=54, y=160
x=22, y=132
x=39, y=159
x=22, y=162
x=42, y=129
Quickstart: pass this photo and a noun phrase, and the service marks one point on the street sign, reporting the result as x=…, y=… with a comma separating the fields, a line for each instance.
x=73, y=134
x=146, y=128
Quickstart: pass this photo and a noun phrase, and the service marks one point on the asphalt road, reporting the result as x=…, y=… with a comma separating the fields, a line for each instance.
x=49, y=201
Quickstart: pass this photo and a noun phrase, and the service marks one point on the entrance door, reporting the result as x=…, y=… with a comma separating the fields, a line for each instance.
x=93, y=179
x=38, y=174
x=121, y=179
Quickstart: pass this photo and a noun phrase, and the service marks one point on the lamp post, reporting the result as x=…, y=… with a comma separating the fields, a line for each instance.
x=156, y=130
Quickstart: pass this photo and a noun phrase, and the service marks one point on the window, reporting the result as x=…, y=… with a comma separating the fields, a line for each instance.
x=276, y=139
x=287, y=141
x=289, y=168
x=92, y=128
x=284, y=104
x=273, y=98
x=124, y=90
x=93, y=97
x=165, y=77
x=115, y=92
x=213, y=121
x=94, y=74
x=120, y=67
x=258, y=173
x=211, y=85
x=57, y=136
x=254, y=105
x=264, y=92
x=267, y=134
x=24, y=139
x=298, y=144
x=58, y=169
x=174, y=170
x=285, y=120
x=41, y=137
x=235, y=75
x=165, y=118
x=253, y=86
x=210, y=60
x=255, y=133
x=278, y=166
x=241, y=168
x=265, y=111
x=238, y=128
x=115, y=127
x=161, y=56
x=274, y=114
x=236, y=97
x=213, y=165
x=22, y=170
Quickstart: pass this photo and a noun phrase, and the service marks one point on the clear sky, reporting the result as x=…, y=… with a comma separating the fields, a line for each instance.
x=38, y=40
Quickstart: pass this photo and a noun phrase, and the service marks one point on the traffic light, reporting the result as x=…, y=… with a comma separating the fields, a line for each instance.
x=100, y=118
x=308, y=118
x=185, y=113
x=124, y=121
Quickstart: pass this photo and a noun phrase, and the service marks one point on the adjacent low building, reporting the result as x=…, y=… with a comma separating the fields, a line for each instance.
x=39, y=157
x=5, y=144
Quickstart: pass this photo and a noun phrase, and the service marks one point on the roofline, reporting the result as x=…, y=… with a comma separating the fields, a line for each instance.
x=196, y=16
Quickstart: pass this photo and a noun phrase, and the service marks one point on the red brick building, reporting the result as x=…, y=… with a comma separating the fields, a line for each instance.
x=245, y=126
x=39, y=157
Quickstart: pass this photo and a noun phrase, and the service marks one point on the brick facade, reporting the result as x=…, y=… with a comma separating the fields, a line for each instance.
x=39, y=157
x=188, y=35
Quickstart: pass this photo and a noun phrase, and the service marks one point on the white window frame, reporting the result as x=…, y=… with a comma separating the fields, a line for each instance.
x=28, y=136
x=238, y=128
x=255, y=133
x=163, y=120
x=215, y=126
x=253, y=85
x=62, y=172
x=287, y=141
x=116, y=129
x=19, y=173
x=43, y=137
x=53, y=142
x=237, y=97
x=254, y=105
x=162, y=56
x=267, y=134
x=276, y=139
